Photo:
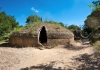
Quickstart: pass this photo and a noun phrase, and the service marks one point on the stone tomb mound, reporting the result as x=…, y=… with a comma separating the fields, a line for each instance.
x=41, y=34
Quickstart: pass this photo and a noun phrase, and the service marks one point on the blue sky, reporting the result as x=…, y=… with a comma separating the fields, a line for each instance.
x=66, y=11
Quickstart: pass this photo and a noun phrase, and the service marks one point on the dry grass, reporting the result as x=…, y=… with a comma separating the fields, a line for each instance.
x=97, y=45
x=33, y=27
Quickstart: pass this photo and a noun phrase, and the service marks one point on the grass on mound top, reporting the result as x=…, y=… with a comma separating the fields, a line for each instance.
x=32, y=27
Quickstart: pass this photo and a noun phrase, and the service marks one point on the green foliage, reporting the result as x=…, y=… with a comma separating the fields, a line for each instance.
x=92, y=23
x=54, y=22
x=7, y=24
x=61, y=24
x=18, y=28
x=86, y=31
x=73, y=27
x=95, y=5
x=33, y=18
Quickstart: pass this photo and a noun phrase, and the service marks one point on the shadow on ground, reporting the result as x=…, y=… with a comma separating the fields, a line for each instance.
x=72, y=47
x=8, y=45
x=88, y=62
x=85, y=61
x=43, y=67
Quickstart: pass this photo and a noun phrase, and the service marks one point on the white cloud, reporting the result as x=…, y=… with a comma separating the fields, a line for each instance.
x=35, y=10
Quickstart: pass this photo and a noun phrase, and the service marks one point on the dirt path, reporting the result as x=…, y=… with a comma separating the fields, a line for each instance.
x=58, y=58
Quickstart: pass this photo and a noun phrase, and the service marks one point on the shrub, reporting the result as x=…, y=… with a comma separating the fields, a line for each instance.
x=97, y=45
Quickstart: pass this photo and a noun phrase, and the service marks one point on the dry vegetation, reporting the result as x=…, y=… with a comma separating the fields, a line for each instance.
x=32, y=27
x=97, y=46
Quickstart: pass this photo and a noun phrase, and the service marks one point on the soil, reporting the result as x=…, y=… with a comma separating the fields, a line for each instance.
x=76, y=56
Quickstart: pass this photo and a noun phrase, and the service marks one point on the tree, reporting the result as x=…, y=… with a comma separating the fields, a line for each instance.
x=7, y=24
x=61, y=24
x=73, y=27
x=95, y=6
x=92, y=22
x=33, y=18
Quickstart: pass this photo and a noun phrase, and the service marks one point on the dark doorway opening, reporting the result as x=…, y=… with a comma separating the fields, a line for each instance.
x=43, y=36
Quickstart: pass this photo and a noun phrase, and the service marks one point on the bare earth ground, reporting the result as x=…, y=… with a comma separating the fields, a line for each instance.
x=72, y=57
